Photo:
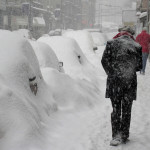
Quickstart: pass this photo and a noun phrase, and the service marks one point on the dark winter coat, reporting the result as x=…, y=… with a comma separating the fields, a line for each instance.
x=121, y=60
x=144, y=40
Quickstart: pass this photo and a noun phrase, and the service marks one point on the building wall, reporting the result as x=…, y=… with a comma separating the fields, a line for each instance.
x=74, y=14
x=2, y=10
x=144, y=5
x=88, y=13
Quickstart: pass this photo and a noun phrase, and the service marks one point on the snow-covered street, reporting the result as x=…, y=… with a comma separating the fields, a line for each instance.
x=44, y=106
x=91, y=129
x=59, y=60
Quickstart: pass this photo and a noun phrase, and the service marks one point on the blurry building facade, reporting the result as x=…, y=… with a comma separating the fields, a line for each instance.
x=88, y=13
x=72, y=14
x=25, y=14
x=2, y=11
x=143, y=9
x=45, y=15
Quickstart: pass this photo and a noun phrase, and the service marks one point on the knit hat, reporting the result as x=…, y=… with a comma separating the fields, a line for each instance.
x=129, y=29
x=120, y=28
x=144, y=28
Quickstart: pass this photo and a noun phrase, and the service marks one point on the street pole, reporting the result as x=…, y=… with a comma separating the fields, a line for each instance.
x=148, y=15
x=30, y=18
x=62, y=24
x=101, y=17
x=122, y=17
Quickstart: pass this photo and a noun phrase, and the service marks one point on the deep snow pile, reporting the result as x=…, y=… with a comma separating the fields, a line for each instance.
x=45, y=55
x=83, y=38
x=71, y=94
x=75, y=63
x=22, y=111
x=28, y=103
x=33, y=121
x=91, y=129
x=62, y=84
x=85, y=41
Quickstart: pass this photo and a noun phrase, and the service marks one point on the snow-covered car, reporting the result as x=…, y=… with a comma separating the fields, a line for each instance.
x=83, y=38
x=25, y=99
x=74, y=61
x=46, y=56
x=85, y=41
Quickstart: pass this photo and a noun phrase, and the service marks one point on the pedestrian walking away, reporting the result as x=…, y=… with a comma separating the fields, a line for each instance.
x=123, y=31
x=144, y=40
x=121, y=59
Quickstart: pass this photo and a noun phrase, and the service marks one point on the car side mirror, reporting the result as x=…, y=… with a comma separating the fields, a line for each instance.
x=95, y=48
x=33, y=85
x=61, y=64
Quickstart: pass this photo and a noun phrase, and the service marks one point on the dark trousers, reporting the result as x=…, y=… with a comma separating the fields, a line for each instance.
x=144, y=58
x=121, y=117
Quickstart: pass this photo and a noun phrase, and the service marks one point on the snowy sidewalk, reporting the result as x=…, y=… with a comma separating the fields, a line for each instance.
x=91, y=129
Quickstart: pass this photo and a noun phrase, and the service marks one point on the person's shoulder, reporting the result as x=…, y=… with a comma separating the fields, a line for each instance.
x=109, y=44
x=139, y=35
x=117, y=35
x=125, y=38
x=110, y=41
x=137, y=45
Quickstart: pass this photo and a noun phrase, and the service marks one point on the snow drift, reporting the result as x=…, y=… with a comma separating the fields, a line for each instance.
x=23, y=110
x=27, y=100
x=74, y=61
x=85, y=41
x=71, y=94
x=45, y=55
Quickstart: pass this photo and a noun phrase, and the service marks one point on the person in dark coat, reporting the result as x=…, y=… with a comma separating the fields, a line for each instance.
x=144, y=40
x=121, y=59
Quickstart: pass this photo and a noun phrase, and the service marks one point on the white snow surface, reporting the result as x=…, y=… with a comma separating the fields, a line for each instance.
x=86, y=43
x=75, y=63
x=22, y=114
x=45, y=55
x=66, y=113
x=83, y=38
x=109, y=27
x=100, y=39
x=23, y=33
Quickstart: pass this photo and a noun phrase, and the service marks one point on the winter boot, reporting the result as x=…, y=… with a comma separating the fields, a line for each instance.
x=116, y=141
x=125, y=140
